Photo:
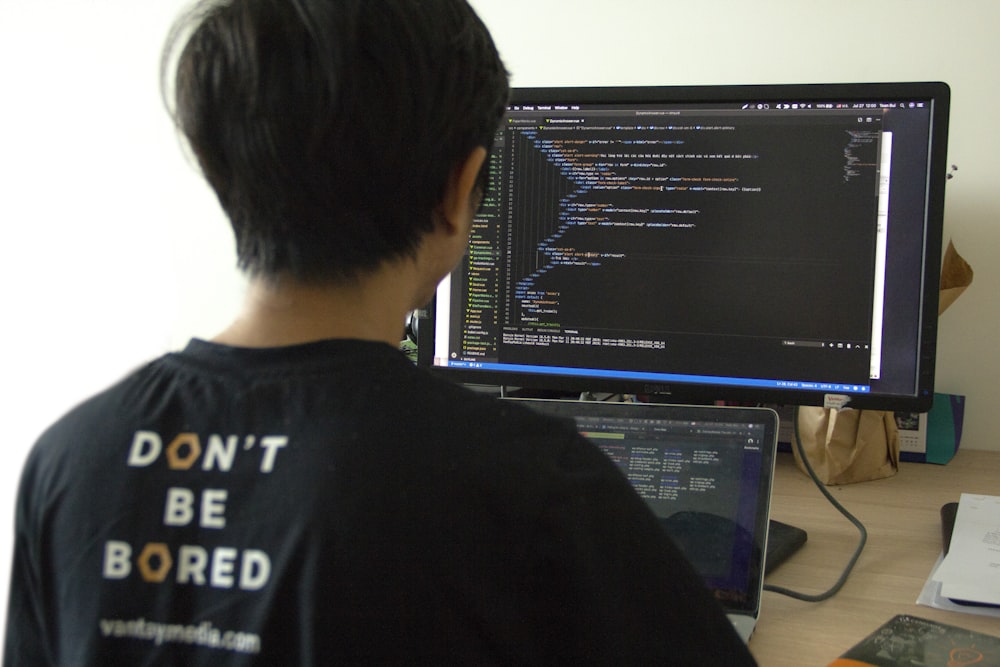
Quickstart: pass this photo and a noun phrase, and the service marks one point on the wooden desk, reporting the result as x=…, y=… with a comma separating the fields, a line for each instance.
x=902, y=515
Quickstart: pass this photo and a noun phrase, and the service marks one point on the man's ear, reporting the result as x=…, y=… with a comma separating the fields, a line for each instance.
x=457, y=201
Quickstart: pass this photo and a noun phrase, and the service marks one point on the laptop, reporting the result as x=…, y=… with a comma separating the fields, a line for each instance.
x=706, y=472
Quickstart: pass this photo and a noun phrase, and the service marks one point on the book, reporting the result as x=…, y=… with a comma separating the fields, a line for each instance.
x=907, y=641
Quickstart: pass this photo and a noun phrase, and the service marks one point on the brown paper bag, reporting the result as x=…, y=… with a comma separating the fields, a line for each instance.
x=956, y=276
x=846, y=446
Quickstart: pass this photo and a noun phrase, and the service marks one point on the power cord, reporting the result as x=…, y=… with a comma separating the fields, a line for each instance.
x=819, y=597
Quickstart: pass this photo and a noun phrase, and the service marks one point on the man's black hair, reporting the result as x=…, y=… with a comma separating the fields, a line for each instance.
x=329, y=128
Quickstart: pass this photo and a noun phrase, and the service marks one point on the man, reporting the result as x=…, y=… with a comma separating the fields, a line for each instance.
x=295, y=492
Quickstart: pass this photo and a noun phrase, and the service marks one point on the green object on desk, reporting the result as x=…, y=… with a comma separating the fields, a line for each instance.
x=944, y=427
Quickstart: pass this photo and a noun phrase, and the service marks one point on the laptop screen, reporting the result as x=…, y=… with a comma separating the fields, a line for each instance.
x=704, y=471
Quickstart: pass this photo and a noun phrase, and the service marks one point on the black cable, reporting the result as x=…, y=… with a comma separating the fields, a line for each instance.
x=806, y=597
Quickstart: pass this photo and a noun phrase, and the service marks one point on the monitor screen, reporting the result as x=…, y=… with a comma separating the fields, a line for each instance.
x=772, y=243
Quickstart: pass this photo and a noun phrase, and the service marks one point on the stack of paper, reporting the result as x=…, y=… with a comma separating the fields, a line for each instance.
x=970, y=572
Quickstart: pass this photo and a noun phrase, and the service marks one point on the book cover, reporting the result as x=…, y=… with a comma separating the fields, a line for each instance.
x=908, y=641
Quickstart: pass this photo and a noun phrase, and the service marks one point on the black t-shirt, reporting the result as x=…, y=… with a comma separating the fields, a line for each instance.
x=331, y=503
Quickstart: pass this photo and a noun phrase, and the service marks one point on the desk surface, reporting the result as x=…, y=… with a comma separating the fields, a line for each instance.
x=902, y=515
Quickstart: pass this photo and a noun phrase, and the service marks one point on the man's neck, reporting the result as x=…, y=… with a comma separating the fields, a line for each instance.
x=287, y=313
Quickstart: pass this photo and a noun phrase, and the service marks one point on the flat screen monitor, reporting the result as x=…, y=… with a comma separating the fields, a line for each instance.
x=776, y=244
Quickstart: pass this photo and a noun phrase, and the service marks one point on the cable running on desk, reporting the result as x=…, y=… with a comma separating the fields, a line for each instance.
x=833, y=590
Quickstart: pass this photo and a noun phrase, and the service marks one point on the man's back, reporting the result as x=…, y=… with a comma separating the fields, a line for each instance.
x=328, y=502
x=296, y=492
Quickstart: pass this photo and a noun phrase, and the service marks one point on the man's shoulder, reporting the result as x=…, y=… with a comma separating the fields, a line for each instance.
x=479, y=411
x=100, y=412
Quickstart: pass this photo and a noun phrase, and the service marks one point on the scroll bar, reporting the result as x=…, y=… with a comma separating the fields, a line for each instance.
x=881, y=236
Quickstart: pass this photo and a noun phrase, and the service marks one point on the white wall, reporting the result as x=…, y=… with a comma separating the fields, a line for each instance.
x=114, y=250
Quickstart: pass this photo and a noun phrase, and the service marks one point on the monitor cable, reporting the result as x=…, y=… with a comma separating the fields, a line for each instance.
x=819, y=597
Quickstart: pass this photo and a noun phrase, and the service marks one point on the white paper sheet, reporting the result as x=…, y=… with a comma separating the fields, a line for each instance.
x=971, y=570
x=931, y=596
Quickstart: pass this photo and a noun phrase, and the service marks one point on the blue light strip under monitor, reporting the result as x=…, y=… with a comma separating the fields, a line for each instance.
x=663, y=377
